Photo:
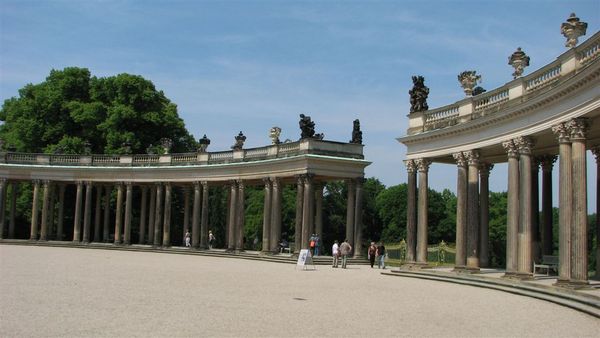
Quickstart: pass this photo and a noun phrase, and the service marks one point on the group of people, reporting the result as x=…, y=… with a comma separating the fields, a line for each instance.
x=377, y=252
x=211, y=239
x=313, y=243
x=341, y=251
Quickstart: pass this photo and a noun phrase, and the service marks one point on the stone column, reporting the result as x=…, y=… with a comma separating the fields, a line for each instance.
x=167, y=217
x=14, y=191
x=2, y=205
x=266, y=244
x=34, y=211
x=105, y=226
x=151, y=214
x=524, y=261
x=547, y=242
x=512, y=217
x=45, y=205
x=77, y=218
x=204, y=217
x=87, y=212
x=565, y=202
x=98, y=213
x=536, y=242
x=358, y=217
x=240, y=219
x=127, y=221
x=227, y=189
x=158, y=215
x=579, y=257
x=186, y=212
x=276, y=213
x=119, y=215
x=596, y=152
x=196, y=216
x=319, y=211
x=143, y=215
x=299, y=213
x=484, y=214
x=61, y=212
x=51, y=207
x=350, y=204
x=411, y=212
x=460, y=261
x=472, y=157
x=307, y=211
x=231, y=242
x=423, y=168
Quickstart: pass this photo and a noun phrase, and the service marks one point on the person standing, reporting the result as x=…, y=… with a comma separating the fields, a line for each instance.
x=381, y=255
x=345, y=250
x=187, y=239
x=372, y=253
x=211, y=239
x=335, y=252
x=311, y=245
x=317, y=244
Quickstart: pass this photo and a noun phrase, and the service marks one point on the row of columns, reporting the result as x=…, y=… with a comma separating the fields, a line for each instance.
x=523, y=240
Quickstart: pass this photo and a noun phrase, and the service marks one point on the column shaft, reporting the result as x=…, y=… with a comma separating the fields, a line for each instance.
x=61, y=212
x=547, y=242
x=186, y=213
x=106, y=225
x=525, y=262
x=460, y=259
x=473, y=211
x=231, y=242
x=484, y=213
x=14, y=191
x=358, y=218
x=51, y=206
x=512, y=210
x=276, y=199
x=411, y=212
x=319, y=211
x=119, y=215
x=299, y=213
x=151, y=213
x=143, y=215
x=196, y=216
x=350, y=204
x=2, y=206
x=423, y=168
x=204, y=217
x=240, y=213
x=565, y=202
x=87, y=212
x=158, y=215
x=536, y=242
x=34, y=211
x=45, y=206
x=307, y=213
x=98, y=213
x=77, y=218
x=167, y=217
x=596, y=152
x=128, y=210
x=267, y=204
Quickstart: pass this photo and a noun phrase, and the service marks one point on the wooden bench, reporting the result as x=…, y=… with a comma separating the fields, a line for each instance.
x=548, y=262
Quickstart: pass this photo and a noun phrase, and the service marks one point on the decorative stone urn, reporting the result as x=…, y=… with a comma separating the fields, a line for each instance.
x=203, y=144
x=166, y=143
x=468, y=79
x=572, y=30
x=519, y=60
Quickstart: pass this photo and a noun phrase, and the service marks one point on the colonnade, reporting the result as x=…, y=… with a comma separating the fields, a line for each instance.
x=527, y=238
x=155, y=208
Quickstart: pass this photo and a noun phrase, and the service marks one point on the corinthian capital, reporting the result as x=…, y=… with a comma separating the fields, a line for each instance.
x=579, y=127
x=524, y=144
x=562, y=132
x=596, y=152
x=460, y=159
x=411, y=167
x=485, y=168
x=547, y=162
x=423, y=164
x=472, y=157
x=511, y=148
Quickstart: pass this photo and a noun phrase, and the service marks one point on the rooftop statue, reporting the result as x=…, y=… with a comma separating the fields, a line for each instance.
x=274, y=134
x=418, y=95
x=356, y=133
x=572, y=30
x=239, y=141
x=468, y=79
x=307, y=127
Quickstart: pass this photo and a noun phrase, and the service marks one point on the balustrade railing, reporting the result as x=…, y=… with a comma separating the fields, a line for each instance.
x=144, y=159
x=256, y=152
x=519, y=89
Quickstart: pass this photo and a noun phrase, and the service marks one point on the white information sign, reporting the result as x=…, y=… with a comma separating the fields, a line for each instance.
x=304, y=259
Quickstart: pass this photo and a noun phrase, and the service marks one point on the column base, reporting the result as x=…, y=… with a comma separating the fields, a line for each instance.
x=459, y=268
x=523, y=276
x=572, y=284
x=414, y=266
x=509, y=275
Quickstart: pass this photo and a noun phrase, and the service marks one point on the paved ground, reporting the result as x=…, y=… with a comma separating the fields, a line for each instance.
x=49, y=292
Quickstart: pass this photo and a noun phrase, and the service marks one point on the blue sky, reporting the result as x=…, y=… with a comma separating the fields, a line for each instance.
x=251, y=65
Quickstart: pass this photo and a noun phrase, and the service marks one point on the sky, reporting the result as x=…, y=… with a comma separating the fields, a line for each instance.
x=251, y=65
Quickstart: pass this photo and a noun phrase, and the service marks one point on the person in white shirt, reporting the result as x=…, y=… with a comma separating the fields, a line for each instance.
x=336, y=253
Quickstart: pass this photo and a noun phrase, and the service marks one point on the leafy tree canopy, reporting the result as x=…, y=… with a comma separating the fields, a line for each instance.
x=72, y=108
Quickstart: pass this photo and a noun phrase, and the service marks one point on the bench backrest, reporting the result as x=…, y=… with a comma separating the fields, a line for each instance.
x=547, y=259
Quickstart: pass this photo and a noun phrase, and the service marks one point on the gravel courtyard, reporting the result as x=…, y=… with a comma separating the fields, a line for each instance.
x=53, y=292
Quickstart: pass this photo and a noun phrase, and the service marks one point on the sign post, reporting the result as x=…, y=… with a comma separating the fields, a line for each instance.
x=304, y=259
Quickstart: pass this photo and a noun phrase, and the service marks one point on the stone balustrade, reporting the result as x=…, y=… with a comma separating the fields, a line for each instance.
x=304, y=146
x=513, y=92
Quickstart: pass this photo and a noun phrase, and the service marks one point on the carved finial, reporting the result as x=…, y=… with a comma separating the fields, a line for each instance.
x=418, y=95
x=519, y=60
x=572, y=30
x=239, y=141
x=468, y=79
x=203, y=144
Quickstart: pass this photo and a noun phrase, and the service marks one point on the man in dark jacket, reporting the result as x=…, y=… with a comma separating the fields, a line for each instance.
x=381, y=255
